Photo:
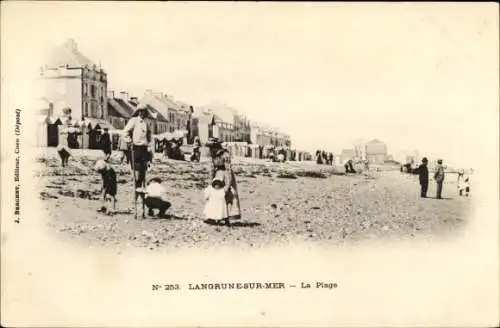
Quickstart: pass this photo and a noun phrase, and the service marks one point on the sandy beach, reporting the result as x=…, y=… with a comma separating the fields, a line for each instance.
x=281, y=203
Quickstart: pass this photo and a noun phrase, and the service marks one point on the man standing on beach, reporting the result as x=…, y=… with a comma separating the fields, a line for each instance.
x=423, y=175
x=140, y=134
x=439, y=177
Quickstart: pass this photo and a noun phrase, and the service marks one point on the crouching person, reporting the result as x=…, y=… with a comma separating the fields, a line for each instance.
x=109, y=185
x=156, y=198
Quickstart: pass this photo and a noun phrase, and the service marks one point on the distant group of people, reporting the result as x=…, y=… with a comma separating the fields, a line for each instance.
x=323, y=157
x=423, y=173
x=463, y=180
x=278, y=155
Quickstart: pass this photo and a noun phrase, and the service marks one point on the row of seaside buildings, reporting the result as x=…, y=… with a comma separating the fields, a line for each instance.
x=68, y=79
x=374, y=151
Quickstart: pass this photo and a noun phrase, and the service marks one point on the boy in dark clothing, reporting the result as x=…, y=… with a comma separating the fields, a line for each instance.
x=106, y=144
x=423, y=175
x=109, y=186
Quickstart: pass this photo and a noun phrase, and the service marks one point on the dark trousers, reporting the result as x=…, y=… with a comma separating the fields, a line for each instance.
x=423, y=188
x=139, y=163
x=439, y=189
x=156, y=203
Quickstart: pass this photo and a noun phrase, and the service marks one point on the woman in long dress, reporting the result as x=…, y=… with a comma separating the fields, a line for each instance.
x=221, y=161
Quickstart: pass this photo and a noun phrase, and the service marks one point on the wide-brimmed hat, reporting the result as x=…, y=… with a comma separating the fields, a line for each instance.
x=217, y=181
x=100, y=165
x=424, y=160
x=440, y=161
x=143, y=107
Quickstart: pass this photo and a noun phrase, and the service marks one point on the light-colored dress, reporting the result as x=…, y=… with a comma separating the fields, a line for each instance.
x=463, y=182
x=63, y=138
x=216, y=207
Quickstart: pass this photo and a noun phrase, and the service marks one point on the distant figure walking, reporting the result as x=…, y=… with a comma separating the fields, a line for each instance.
x=319, y=159
x=106, y=144
x=330, y=158
x=423, y=175
x=439, y=177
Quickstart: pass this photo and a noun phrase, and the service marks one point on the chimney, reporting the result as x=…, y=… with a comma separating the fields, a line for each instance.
x=71, y=45
x=111, y=94
x=124, y=95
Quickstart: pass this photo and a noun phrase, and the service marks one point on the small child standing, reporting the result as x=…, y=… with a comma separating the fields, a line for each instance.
x=109, y=186
x=216, y=207
x=156, y=198
x=463, y=183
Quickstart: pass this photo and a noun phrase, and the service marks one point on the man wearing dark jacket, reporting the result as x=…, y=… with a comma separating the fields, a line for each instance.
x=423, y=174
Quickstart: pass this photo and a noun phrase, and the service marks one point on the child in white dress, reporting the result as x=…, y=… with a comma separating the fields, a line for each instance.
x=216, y=207
x=463, y=183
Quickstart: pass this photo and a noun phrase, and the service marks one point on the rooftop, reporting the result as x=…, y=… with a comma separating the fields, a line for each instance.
x=68, y=54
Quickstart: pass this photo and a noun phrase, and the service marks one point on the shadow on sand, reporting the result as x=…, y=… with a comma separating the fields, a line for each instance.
x=231, y=224
x=166, y=217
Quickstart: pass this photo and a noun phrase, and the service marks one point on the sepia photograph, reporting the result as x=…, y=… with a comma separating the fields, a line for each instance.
x=249, y=164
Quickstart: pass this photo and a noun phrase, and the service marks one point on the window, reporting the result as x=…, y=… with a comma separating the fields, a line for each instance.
x=86, y=109
x=93, y=91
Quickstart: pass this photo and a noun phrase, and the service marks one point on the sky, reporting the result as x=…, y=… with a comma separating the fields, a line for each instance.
x=414, y=76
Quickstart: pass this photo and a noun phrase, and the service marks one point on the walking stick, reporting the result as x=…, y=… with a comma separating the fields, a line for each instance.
x=132, y=158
